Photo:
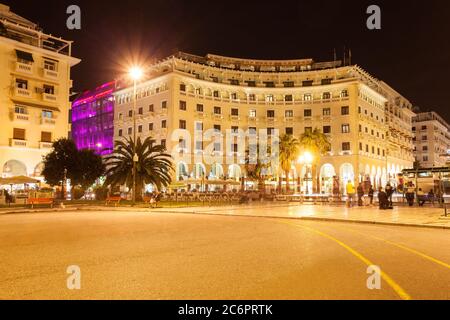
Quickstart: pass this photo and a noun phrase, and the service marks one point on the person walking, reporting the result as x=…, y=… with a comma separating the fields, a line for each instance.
x=421, y=197
x=382, y=199
x=350, y=193
x=371, y=192
x=410, y=194
x=389, y=192
x=431, y=197
x=360, y=191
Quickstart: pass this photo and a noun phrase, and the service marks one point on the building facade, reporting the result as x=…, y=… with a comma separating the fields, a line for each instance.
x=34, y=93
x=432, y=139
x=93, y=119
x=186, y=93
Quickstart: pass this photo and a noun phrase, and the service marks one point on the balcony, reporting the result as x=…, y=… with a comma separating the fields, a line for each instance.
x=49, y=97
x=19, y=92
x=18, y=143
x=45, y=145
x=216, y=116
x=20, y=117
x=24, y=68
x=200, y=115
x=50, y=74
x=48, y=121
x=234, y=118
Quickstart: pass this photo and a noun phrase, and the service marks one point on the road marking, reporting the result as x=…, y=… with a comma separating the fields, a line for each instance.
x=421, y=254
x=394, y=285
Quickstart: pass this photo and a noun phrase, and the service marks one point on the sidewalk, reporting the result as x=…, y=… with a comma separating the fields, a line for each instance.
x=405, y=216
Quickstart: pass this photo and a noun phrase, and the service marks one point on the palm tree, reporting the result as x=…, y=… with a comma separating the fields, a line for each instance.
x=318, y=144
x=153, y=167
x=289, y=149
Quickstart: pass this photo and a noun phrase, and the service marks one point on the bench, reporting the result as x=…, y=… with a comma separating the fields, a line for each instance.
x=37, y=201
x=115, y=200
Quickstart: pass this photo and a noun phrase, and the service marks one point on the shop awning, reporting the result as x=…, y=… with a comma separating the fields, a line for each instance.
x=22, y=55
x=18, y=180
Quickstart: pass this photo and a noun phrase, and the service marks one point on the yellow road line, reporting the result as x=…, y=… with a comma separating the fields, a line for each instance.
x=421, y=254
x=396, y=287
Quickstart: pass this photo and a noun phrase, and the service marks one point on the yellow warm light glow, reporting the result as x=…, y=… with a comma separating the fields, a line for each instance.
x=136, y=73
x=306, y=158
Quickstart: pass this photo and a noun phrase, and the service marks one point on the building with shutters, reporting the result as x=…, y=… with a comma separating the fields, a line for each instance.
x=368, y=123
x=34, y=93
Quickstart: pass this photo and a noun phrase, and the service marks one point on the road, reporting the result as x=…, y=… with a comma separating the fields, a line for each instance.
x=131, y=255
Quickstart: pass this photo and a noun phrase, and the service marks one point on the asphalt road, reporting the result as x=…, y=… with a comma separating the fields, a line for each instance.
x=127, y=255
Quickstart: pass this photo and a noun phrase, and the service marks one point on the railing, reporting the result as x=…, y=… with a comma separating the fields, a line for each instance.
x=18, y=143
x=50, y=74
x=49, y=97
x=45, y=145
x=24, y=67
x=22, y=92
x=48, y=121
x=19, y=116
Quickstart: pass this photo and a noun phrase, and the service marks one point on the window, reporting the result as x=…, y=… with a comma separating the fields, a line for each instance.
x=199, y=126
x=288, y=98
x=345, y=111
x=234, y=82
x=359, y=110
x=164, y=105
x=182, y=124
x=130, y=131
x=373, y=150
x=360, y=146
x=120, y=116
x=367, y=148
x=425, y=158
x=424, y=127
x=251, y=83
x=120, y=132
x=235, y=147
x=50, y=65
x=235, y=112
x=327, y=129
x=22, y=84
x=199, y=108
x=183, y=87
x=163, y=143
x=424, y=138
x=307, y=97
x=150, y=127
x=344, y=93
x=326, y=111
x=20, y=110
x=290, y=131
x=234, y=129
x=360, y=128
x=307, y=83
x=216, y=94
x=326, y=96
x=46, y=136
x=151, y=108
x=345, y=128
x=289, y=113
x=270, y=113
x=164, y=124
x=270, y=131
x=140, y=129
x=307, y=113
x=269, y=98
x=425, y=148
x=288, y=84
x=234, y=96
x=130, y=113
x=217, y=110
x=252, y=97
x=217, y=128
x=378, y=151
x=141, y=111
x=269, y=84
x=326, y=81
x=252, y=113
x=346, y=146
x=183, y=105
x=48, y=89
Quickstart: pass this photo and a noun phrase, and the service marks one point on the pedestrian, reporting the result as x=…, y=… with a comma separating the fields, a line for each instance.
x=360, y=191
x=371, y=192
x=410, y=194
x=382, y=199
x=421, y=197
x=350, y=193
x=389, y=192
x=431, y=196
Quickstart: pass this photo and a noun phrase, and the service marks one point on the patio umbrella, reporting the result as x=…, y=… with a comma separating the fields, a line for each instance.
x=19, y=180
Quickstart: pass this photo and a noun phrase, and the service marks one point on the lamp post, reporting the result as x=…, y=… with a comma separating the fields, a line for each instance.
x=135, y=74
x=306, y=159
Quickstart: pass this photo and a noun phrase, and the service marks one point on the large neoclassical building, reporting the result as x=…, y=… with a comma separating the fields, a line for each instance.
x=34, y=93
x=367, y=122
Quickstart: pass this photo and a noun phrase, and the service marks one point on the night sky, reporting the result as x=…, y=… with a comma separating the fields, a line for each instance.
x=411, y=52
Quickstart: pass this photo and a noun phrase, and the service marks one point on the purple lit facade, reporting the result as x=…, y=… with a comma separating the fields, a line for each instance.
x=93, y=119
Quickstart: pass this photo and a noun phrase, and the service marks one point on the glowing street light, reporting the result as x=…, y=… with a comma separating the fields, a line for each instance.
x=306, y=158
x=136, y=74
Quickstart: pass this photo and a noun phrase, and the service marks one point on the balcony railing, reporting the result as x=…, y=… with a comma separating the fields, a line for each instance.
x=45, y=145
x=48, y=121
x=18, y=143
x=24, y=68
x=51, y=74
x=47, y=97
x=19, y=116
x=22, y=92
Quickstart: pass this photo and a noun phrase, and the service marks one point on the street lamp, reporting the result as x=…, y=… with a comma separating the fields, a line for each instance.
x=135, y=74
x=307, y=159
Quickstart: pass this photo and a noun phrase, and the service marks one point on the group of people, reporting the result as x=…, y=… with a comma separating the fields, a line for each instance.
x=422, y=198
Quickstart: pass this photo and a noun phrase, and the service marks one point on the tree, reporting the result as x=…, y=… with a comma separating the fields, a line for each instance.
x=318, y=144
x=289, y=149
x=154, y=166
x=61, y=163
x=65, y=161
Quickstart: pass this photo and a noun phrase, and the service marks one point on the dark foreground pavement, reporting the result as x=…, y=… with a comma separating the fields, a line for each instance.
x=137, y=255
